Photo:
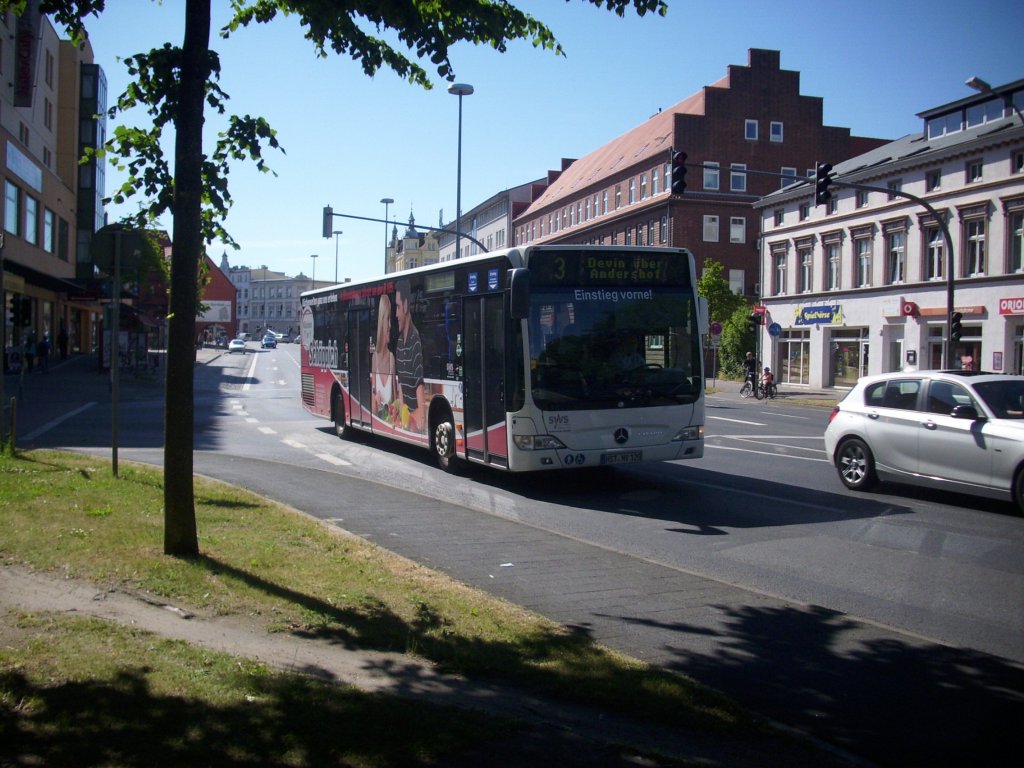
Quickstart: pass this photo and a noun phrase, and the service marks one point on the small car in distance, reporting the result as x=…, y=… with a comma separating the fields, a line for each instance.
x=269, y=342
x=960, y=431
x=236, y=345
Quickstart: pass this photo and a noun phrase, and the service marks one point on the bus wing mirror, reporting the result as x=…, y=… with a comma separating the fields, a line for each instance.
x=519, y=293
x=703, y=321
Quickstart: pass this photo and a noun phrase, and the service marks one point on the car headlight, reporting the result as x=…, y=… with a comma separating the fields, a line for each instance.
x=537, y=442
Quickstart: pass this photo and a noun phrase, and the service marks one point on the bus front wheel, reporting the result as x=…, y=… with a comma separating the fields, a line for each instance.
x=443, y=444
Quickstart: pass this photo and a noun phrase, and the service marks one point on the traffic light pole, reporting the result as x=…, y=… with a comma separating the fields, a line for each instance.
x=329, y=213
x=939, y=220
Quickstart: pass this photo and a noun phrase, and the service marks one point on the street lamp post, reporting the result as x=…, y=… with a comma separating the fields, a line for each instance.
x=983, y=87
x=335, y=233
x=387, y=201
x=314, y=257
x=460, y=90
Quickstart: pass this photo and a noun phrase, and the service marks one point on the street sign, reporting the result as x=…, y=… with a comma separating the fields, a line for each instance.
x=774, y=329
x=716, y=329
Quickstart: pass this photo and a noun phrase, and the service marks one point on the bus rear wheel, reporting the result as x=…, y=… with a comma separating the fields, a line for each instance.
x=442, y=443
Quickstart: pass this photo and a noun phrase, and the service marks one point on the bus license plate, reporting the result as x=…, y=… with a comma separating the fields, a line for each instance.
x=622, y=458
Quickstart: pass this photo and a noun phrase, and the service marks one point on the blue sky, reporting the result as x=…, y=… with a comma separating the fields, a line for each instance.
x=351, y=140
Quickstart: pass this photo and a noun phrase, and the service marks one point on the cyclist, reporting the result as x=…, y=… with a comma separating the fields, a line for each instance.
x=767, y=381
x=750, y=366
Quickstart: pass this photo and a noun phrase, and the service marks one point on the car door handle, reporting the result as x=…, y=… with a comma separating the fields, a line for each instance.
x=930, y=425
x=873, y=416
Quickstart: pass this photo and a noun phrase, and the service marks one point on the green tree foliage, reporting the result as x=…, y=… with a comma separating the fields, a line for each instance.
x=174, y=85
x=737, y=339
x=714, y=287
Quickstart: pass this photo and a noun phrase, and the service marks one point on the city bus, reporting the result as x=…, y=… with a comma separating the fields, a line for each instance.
x=532, y=358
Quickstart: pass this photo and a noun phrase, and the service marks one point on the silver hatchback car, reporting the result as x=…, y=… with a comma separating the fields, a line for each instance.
x=962, y=431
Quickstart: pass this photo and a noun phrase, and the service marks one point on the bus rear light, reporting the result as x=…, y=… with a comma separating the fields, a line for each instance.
x=537, y=442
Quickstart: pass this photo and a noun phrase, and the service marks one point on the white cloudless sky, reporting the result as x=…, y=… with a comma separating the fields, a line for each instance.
x=350, y=140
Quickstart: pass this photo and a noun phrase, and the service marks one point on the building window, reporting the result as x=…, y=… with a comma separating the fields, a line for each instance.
x=664, y=229
x=894, y=187
x=780, y=216
x=776, y=131
x=1017, y=162
x=940, y=126
x=805, y=211
x=974, y=251
x=632, y=191
x=832, y=274
x=863, y=251
x=935, y=257
x=23, y=133
x=31, y=220
x=832, y=206
x=788, y=175
x=896, y=256
x=779, y=271
x=655, y=182
x=973, y=171
x=48, y=69
x=48, y=230
x=711, y=175
x=710, y=229
x=750, y=130
x=737, y=229
x=586, y=211
x=1016, y=242
x=643, y=186
x=737, y=178
x=933, y=181
x=805, y=253
x=48, y=114
x=862, y=198
x=736, y=278
x=12, y=211
x=618, y=196
x=604, y=202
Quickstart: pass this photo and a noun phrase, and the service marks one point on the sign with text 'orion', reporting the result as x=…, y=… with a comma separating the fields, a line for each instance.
x=825, y=314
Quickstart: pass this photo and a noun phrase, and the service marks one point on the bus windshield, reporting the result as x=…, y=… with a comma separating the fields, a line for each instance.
x=598, y=348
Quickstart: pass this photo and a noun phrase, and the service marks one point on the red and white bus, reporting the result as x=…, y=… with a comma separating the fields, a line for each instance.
x=540, y=357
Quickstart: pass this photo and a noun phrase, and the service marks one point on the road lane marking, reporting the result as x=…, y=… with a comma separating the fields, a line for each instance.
x=55, y=422
x=333, y=460
x=737, y=421
x=293, y=443
x=762, y=453
x=267, y=431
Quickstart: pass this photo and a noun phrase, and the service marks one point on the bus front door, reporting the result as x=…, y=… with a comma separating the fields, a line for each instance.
x=484, y=379
x=359, y=331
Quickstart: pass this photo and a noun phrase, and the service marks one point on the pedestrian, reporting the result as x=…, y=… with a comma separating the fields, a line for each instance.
x=44, y=353
x=30, y=353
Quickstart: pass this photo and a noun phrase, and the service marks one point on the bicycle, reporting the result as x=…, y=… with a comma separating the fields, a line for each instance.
x=750, y=388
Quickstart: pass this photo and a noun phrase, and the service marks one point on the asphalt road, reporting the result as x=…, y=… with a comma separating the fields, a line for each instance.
x=879, y=689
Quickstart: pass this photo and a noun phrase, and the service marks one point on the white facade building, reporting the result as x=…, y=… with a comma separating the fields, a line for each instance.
x=860, y=285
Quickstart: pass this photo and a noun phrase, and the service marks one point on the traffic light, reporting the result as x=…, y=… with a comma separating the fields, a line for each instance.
x=956, y=329
x=821, y=183
x=328, y=221
x=678, y=173
x=753, y=322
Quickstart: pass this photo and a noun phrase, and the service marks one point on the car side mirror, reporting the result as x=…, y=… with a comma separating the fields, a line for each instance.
x=965, y=412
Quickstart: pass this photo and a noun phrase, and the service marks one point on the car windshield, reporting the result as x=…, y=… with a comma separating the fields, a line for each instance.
x=1004, y=397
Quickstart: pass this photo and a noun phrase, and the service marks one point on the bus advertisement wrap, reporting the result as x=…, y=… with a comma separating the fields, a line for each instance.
x=605, y=368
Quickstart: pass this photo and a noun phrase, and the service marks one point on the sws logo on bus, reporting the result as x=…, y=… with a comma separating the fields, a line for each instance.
x=323, y=355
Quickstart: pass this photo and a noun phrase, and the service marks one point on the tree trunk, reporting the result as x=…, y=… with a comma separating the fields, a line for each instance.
x=180, y=533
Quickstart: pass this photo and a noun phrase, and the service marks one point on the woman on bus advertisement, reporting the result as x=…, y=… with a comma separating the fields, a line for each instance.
x=383, y=363
x=409, y=364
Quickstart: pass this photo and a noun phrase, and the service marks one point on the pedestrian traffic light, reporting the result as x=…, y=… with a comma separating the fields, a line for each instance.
x=753, y=322
x=678, y=173
x=956, y=329
x=822, y=180
x=328, y=221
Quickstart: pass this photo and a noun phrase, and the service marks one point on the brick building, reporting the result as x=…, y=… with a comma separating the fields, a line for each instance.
x=753, y=118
